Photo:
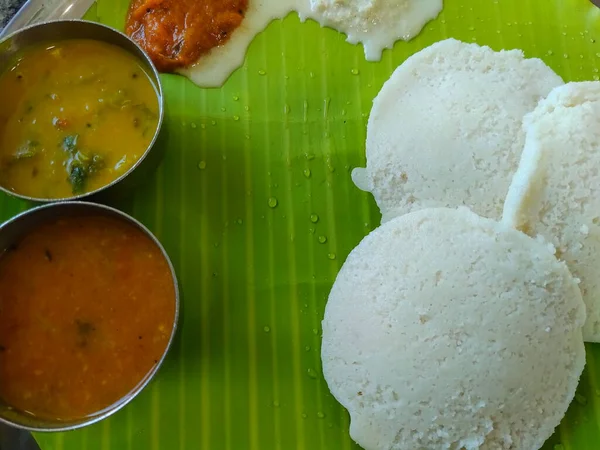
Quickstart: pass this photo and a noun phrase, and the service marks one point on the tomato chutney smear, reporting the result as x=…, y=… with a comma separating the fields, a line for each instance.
x=87, y=306
x=176, y=33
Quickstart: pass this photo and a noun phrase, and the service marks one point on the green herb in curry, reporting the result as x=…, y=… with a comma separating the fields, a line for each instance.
x=73, y=118
x=80, y=166
x=27, y=150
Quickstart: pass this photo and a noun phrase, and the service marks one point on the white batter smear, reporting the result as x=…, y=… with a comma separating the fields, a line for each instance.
x=375, y=23
x=213, y=69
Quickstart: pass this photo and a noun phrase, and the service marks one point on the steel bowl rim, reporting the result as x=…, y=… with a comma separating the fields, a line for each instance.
x=127, y=398
x=159, y=97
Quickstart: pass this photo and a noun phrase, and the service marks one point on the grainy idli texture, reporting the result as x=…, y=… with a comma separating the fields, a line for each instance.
x=556, y=191
x=445, y=130
x=445, y=330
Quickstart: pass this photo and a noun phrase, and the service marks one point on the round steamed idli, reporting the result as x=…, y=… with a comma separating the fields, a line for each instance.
x=445, y=130
x=556, y=191
x=445, y=330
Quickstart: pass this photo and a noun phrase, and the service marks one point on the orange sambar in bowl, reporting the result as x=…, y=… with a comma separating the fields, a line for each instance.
x=87, y=307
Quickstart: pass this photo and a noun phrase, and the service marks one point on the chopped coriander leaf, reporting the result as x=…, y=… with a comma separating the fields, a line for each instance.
x=96, y=164
x=27, y=150
x=81, y=157
x=78, y=177
x=80, y=167
x=69, y=143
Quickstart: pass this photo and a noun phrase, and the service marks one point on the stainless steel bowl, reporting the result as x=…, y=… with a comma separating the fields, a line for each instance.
x=12, y=232
x=81, y=29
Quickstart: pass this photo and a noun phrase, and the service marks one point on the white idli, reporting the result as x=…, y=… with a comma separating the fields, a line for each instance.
x=445, y=330
x=556, y=191
x=445, y=130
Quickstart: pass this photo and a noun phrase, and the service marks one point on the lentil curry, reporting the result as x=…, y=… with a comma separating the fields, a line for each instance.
x=176, y=33
x=75, y=116
x=87, y=306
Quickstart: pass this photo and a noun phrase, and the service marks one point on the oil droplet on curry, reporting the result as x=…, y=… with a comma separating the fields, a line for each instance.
x=87, y=307
x=76, y=115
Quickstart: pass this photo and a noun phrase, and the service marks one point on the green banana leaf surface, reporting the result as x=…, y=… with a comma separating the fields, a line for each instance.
x=255, y=205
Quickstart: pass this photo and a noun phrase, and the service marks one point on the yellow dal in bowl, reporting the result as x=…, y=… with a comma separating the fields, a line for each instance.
x=76, y=115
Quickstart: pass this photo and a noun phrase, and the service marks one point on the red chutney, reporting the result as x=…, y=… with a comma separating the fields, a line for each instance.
x=176, y=33
x=87, y=307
